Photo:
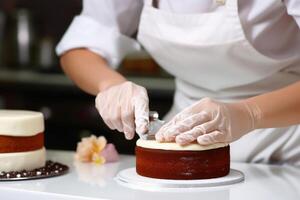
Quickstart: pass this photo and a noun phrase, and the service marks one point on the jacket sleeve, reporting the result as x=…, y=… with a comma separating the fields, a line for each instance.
x=104, y=27
x=293, y=9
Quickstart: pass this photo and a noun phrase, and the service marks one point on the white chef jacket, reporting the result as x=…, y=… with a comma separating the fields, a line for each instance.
x=106, y=26
x=270, y=26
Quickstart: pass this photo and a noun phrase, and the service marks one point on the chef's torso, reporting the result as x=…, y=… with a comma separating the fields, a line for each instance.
x=210, y=55
x=227, y=52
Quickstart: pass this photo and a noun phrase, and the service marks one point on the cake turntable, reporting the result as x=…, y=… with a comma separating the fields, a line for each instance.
x=129, y=178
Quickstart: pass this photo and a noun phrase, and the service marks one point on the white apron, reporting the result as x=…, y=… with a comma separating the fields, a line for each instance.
x=209, y=55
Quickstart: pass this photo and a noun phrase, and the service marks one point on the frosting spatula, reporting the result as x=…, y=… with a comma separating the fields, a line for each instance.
x=154, y=125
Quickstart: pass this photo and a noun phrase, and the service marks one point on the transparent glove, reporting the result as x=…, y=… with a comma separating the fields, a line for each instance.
x=125, y=107
x=209, y=122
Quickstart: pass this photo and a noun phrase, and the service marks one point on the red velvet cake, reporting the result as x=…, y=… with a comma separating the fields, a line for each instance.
x=172, y=161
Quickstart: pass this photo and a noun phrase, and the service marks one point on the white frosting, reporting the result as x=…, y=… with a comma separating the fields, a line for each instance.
x=22, y=161
x=153, y=144
x=21, y=123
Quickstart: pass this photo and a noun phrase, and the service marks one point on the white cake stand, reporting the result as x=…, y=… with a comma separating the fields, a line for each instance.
x=129, y=178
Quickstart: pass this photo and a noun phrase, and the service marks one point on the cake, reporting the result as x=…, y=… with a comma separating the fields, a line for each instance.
x=172, y=161
x=21, y=140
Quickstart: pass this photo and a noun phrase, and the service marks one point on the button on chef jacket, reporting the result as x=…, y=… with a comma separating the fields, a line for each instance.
x=271, y=26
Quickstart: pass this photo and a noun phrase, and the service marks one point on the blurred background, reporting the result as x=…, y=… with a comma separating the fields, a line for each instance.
x=31, y=78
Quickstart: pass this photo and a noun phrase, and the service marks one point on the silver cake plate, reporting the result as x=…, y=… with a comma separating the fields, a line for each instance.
x=129, y=178
x=51, y=169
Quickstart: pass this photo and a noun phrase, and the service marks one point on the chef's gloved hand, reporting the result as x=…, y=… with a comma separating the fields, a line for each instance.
x=209, y=121
x=124, y=107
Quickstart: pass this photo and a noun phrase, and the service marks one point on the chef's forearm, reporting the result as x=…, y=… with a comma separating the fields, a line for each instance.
x=279, y=108
x=89, y=71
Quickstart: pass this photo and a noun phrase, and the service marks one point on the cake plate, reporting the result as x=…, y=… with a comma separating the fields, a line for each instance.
x=129, y=178
x=51, y=169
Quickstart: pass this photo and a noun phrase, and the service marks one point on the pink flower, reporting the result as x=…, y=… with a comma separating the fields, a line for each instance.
x=96, y=150
x=110, y=153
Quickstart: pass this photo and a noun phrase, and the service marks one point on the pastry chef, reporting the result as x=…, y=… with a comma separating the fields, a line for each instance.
x=236, y=65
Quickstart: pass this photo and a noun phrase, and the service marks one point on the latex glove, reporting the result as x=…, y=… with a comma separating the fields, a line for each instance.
x=209, y=122
x=125, y=108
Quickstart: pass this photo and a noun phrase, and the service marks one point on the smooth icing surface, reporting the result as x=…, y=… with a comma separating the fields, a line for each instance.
x=21, y=123
x=22, y=161
x=153, y=144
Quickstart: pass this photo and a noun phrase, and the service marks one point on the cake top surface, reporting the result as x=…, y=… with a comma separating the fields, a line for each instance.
x=153, y=144
x=21, y=123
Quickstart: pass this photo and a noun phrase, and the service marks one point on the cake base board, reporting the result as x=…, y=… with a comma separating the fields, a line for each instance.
x=129, y=178
x=51, y=169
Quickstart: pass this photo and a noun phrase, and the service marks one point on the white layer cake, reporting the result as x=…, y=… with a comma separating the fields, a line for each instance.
x=16, y=124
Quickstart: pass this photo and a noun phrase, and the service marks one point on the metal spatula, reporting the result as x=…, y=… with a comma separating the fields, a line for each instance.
x=154, y=125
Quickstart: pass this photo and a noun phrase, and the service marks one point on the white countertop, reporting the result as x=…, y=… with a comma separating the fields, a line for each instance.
x=88, y=181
